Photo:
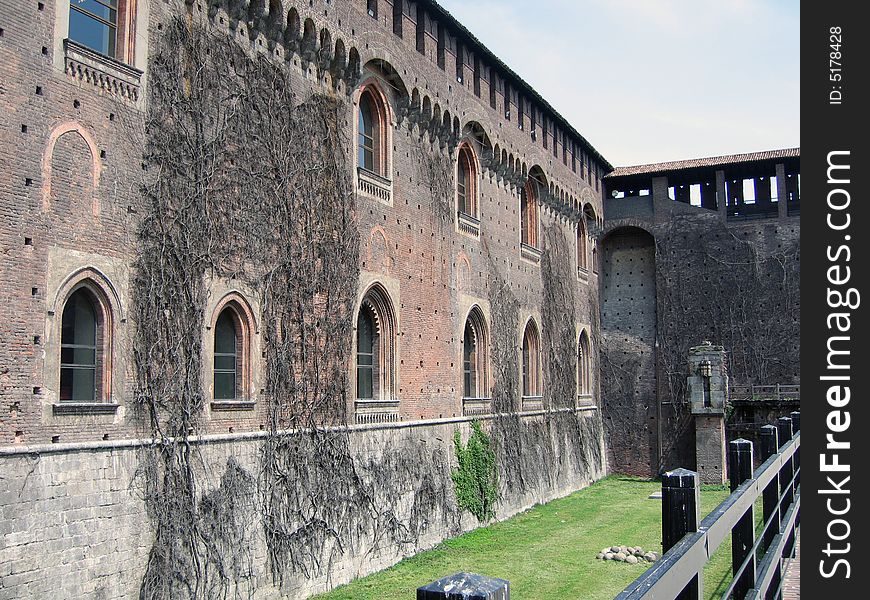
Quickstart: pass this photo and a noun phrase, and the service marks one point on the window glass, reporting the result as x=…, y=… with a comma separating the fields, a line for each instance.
x=365, y=354
x=367, y=134
x=93, y=23
x=78, y=350
x=469, y=363
x=225, y=357
x=462, y=184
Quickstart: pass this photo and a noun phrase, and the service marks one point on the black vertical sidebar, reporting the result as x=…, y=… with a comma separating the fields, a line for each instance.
x=835, y=253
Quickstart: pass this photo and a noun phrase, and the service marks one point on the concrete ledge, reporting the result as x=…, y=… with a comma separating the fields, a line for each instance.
x=24, y=450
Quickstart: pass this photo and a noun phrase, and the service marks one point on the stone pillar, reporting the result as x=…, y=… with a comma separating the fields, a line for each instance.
x=707, y=391
x=781, y=193
x=721, y=196
x=660, y=188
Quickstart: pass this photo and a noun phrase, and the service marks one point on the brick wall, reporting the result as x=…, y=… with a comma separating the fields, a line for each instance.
x=70, y=199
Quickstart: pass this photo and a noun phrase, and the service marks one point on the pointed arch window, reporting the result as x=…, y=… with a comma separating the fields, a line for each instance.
x=582, y=248
x=369, y=134
x=532, y=389
x=469, y=362
x=226, y=363
x=81, y=356
x=584, y=371
x=231, y=340
x=367, y=341
x=466, y=182
x=529, y=214
x=374, y=347
x=474, y=356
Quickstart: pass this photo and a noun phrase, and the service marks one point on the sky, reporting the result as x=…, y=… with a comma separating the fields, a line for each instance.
x=648, y=81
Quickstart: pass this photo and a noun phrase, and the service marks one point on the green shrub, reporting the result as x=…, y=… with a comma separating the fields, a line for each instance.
x=476, y=479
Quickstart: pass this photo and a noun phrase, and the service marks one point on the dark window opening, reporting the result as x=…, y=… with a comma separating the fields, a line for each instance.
x=366, y=355
x=78, y=349
x=226, y=346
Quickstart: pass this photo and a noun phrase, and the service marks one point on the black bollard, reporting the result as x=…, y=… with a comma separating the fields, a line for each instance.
x=743, y=533
x=465, y=586
x=681, y=506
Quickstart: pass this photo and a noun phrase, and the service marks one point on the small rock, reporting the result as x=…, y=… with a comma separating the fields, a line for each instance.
x=608, y=556
x=614, y=549
x=649, y=557
x=600, y=556
x=632, y=560
x=620, y=556
x=605, y=550
x=623, y=549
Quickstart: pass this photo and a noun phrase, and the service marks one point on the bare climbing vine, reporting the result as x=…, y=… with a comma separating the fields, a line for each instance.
x=735, y=285
x=247, y=181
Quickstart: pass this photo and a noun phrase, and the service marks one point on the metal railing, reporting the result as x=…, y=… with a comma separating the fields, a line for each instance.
x=756, y=563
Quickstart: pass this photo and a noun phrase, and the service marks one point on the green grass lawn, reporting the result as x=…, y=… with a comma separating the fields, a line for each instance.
x=549, y=551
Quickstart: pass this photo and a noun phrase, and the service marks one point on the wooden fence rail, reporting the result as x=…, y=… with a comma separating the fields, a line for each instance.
x=688, y=544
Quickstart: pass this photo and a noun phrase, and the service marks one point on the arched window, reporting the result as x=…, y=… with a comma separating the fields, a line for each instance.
x=367, y=380
x=231, y=339
x=584, y=371
x=469, y=362
x=531, y=361
x=81, y=352
x=369, y=134
x=474, y=353
x=529, y=214
x=226, y=363
x=582, y=247
x=374, y=347
x=466, y=182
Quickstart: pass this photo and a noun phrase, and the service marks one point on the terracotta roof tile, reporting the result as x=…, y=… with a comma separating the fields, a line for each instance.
x=712, y=161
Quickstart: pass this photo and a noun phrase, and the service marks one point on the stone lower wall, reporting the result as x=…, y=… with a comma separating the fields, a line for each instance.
x=75, y=522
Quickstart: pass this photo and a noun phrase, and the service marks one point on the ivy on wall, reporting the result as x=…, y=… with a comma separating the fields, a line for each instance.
x=476, y=478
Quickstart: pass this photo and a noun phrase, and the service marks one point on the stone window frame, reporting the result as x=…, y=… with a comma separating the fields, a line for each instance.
x=375, y=184
x=585, y=381
x=378, y=301
x=468, y=222
x=582, y=249
x=531, y=345
x=246, y=328
x=477, y=320
x=107, y=306
x=119, y=74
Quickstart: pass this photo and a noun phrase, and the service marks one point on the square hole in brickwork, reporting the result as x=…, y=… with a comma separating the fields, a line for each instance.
x=105, y=437
x=102, y=154
x=1, y=31
x=24, y=129
x=36, y=339
x=37, y=391
x=55, y=439
x=45, y=50
x=34, y=291
x=111, y=116
x=76, y=104
x=40, y=6
x=28, y=241
x=39, y=90
x=28, y=181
